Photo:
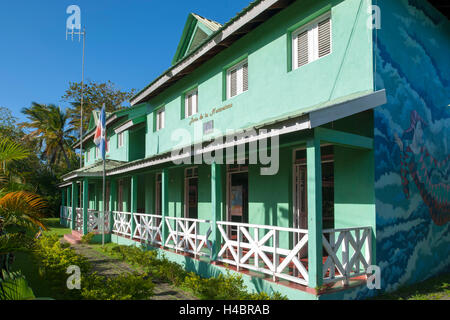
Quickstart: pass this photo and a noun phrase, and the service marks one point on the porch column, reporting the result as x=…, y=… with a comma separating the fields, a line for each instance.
x=216, y=202
x=164, y=203
x=85, y=205
x=314, y=188
x=68, y=196
x=112, y=202
x=63, y=204
x=133, y=200
x=74, y=204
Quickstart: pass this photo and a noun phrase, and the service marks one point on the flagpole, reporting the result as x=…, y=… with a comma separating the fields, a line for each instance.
x=104, y=198
x=104, y=174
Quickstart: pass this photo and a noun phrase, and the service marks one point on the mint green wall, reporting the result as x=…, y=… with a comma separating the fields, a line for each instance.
x=354, y=194
x=116, y=153
x=176, y=183
x=136, y=144
x=149, y=191
x=348, y=69
x=270, y=196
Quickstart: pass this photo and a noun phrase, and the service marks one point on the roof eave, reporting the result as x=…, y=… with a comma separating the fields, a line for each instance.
x=255, y=14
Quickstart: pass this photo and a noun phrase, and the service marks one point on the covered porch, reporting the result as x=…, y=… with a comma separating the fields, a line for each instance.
x=310, y=225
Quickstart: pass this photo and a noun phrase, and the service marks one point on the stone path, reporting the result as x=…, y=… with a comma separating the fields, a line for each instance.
x=107, y=266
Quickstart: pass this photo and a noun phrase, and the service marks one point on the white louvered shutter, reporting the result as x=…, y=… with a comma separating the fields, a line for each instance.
x=302, y=49
x=324, y=37
x=189, y=105
x=233, y=83
x=245, y=77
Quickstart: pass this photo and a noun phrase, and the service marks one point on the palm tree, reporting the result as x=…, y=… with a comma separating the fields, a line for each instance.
x=49, y=126
x=18, y=209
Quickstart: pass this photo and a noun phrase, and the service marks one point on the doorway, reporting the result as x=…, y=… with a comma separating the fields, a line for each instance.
x=300, y=214
x=237, y=196
x=191, y=193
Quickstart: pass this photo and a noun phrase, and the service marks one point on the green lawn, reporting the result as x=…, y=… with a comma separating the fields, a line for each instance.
x=55, y=227
x=436, y=288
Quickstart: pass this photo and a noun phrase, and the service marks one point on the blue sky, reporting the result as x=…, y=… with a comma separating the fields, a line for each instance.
x=128, y=42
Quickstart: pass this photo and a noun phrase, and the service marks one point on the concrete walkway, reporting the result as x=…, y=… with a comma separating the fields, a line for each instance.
x=107, y=266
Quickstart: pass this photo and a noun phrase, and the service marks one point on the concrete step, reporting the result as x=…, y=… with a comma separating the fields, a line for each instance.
x=70, y=238
x=77, y=234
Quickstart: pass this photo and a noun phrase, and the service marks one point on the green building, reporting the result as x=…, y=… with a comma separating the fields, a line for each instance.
x=280, y=145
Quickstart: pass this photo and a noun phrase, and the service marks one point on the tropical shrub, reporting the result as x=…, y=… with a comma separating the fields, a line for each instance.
x=53, y=259
x=223, y=287
x=13, y=286
x=133, y=286
x=87, y=238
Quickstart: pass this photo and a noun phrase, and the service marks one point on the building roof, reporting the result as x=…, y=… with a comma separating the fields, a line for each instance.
x=249, y=18
x=211, y=24
x=93, y=170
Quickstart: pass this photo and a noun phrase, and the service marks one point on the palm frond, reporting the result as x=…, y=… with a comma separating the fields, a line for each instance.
x=22, y=208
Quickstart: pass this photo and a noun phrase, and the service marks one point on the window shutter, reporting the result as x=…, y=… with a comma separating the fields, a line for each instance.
x=195, y=109
x=324, y=37
x=189, y=106
x=245, y=77
x=233, y=83
x=302, y=49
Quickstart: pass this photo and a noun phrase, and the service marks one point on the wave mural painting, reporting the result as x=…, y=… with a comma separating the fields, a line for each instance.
x=411, y=141
x=411, y=138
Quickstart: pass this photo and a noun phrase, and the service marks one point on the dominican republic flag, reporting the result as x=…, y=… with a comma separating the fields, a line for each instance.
x=100, y=133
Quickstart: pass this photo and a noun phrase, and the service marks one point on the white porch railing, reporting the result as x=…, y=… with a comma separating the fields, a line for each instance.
x=122, y=223
x=349, y=253
x=260, y=250
x=148, y=227
x=79, y=220
x=186, y=235
x=66, y=213
x=94, y=223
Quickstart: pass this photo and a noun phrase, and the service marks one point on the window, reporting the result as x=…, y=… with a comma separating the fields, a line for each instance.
x=191, y=103
x=107, y=145
x=160, y=119
x=96, y=152
x=312, y=41
x=237, y=79
x=87, y=155
x=120, y=139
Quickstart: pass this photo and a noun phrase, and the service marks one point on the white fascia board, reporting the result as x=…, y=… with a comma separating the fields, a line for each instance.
x=347, y=108
x=124, y=127
x=63, y=185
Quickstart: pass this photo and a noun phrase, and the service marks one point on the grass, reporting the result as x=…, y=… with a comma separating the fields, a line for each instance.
x=436, y=288
x=55, y=228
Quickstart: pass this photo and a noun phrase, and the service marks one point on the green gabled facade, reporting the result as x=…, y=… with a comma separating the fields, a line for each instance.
x=302, y=219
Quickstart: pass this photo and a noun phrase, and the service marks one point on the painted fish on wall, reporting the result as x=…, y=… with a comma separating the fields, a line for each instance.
x=427, y=173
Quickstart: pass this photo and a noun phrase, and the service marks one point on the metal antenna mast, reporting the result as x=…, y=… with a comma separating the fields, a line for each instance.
x=80, y=33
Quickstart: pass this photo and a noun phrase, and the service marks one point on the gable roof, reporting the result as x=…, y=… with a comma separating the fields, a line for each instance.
x=256, y=13
x=196, y=30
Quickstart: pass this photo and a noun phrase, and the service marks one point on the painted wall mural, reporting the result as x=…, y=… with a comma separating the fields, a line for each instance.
x=428, y=174
x=411, y=145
